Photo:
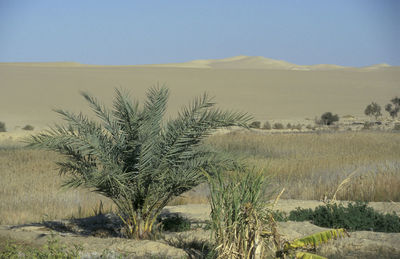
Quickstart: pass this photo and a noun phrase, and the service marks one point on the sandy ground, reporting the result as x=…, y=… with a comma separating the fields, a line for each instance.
x=360, y=244
x=266, y=89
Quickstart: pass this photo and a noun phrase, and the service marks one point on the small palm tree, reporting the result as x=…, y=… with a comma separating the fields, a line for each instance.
x=135, y=158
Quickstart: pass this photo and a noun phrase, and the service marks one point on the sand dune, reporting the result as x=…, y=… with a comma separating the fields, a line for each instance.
x=248, y=62
x=266, y=88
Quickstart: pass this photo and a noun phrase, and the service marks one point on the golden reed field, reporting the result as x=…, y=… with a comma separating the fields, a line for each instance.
x=308, y=166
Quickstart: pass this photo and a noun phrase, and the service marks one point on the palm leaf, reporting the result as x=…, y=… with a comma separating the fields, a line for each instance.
x=314, y=240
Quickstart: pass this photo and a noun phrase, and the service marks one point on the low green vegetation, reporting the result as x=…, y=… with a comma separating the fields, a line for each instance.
x=354, y=216
x=53, y=249
x=175, y=223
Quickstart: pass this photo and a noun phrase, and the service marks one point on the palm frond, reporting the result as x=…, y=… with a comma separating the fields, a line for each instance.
x=150, y=129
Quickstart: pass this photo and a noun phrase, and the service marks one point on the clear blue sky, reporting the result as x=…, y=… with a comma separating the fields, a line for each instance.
x=343, y=32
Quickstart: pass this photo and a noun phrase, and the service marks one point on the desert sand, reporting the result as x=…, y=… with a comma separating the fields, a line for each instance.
x=265, y=88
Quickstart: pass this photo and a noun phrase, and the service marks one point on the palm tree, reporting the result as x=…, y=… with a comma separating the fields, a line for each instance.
x=134, y=157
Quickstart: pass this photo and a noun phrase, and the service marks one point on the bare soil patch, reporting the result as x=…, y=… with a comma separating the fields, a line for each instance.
x=99, y=235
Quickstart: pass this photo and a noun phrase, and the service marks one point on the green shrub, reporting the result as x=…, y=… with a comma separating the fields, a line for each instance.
x=396, y=127
x=28, y=127
x=289, y=126
x=255, y=125
x=175, y=223
x=2, y=127
x=301, y=214
x=356, y=216
x=278, y=125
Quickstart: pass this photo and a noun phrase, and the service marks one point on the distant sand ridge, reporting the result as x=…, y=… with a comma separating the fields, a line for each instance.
x=266, y=88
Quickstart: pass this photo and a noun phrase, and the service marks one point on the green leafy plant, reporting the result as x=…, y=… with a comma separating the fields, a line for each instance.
x=356, y=216
x=134, y=157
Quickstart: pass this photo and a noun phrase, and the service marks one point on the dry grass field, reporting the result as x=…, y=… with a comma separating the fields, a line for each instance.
x=309, y=166
x=30, y=189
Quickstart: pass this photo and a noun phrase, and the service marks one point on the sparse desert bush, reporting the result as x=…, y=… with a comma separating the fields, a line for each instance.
x=255, y=125
x=289, y=126
x=134, y=158
x=368, y=125
x=327, y=119
x=2, y=127
x=278, y=125
x=356, y=216
x=396, y=127
x=298, y=127
x=393, y=108
x=267, y=126
x=373, y=109
x=28, y=127
x=310, y=127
